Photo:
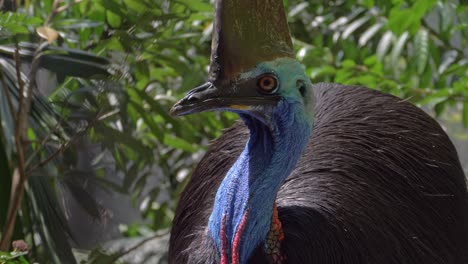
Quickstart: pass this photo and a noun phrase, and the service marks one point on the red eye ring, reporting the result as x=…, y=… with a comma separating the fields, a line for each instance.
x=267, y=83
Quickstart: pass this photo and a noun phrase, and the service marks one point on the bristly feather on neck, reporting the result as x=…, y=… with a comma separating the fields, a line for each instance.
x=242, y=212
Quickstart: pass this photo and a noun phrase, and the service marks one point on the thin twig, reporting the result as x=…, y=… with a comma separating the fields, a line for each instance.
x=50, y=157
x=53, y=13
x=139, y=244
x=41, y=144
x=67, y=6
x=56, y=9
x=72, y=139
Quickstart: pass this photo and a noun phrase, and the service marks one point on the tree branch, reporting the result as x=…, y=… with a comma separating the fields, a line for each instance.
x=19, y=176
x=136, y=246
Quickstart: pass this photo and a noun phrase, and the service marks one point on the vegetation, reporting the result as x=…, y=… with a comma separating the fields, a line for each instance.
x=86, y=85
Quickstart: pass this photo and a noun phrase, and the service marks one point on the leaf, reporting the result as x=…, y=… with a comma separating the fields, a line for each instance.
x=47, y=33
x=63, y=61
x=384, y=44
x=409, y=19
x=156, y=107
x=421, y=49
x=116, y=137
x=420, y=8
x=136, y=5
x=397, y=50
x=112, y=7
x=74, y=181
x=447, y=15
x=149, y=121
x=54, y=229
x=435, y=98
x=77, y=23
x=348, y=64
x=369, y=33
x=353, y=26
x=7, y=127
x=399, y=20
x=448, y=59
x=17, y=23
x=113, y=19
x=440, y=107
x=297, y=9
x=14, y=257
x=196, y=5
x=368, y=3
x=326, y=70
x=178, y=143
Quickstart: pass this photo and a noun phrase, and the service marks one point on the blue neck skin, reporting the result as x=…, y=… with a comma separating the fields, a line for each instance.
x=253, y=181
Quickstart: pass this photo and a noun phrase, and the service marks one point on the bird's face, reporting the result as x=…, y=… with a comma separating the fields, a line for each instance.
x=272, y=92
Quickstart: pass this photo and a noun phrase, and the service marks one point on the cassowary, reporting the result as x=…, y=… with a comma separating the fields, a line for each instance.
x=314, y=173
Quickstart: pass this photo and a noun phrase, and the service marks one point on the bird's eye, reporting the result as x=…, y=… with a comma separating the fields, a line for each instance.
x=267, y=83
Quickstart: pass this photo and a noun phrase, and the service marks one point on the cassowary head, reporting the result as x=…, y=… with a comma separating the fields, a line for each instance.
x=253, y=71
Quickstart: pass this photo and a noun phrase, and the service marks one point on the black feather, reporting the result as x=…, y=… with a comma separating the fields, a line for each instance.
x=379, y=182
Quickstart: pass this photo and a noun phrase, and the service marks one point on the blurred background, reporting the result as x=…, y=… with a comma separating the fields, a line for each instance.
x=86, y=85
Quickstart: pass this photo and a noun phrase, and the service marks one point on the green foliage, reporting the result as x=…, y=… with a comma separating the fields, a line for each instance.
x=16, y=23
x=120, y=65
x=418, y=46
x=14, y=257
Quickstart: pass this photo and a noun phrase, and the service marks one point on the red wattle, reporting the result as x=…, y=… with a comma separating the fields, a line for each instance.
x=237, y=238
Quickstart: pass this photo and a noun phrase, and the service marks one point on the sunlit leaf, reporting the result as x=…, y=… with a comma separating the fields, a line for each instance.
x=354, y=26
x=384, y=44
x=16, y=23
x=447, y=15
x=136, y=5
x=369, y=33
x=297, y=9
x=113, y=19
x=47, y=33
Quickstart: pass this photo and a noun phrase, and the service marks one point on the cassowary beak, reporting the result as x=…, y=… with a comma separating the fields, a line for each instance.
x=208, y=97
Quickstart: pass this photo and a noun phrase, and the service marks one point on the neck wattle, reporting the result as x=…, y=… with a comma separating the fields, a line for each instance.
x=243, y=207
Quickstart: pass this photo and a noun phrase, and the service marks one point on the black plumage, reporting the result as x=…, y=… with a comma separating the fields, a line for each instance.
x=379, y=182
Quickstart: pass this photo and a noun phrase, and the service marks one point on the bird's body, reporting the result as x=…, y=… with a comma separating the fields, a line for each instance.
x=379, y=182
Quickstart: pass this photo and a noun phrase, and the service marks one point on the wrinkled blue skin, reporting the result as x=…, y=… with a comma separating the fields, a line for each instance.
x=274, y=147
